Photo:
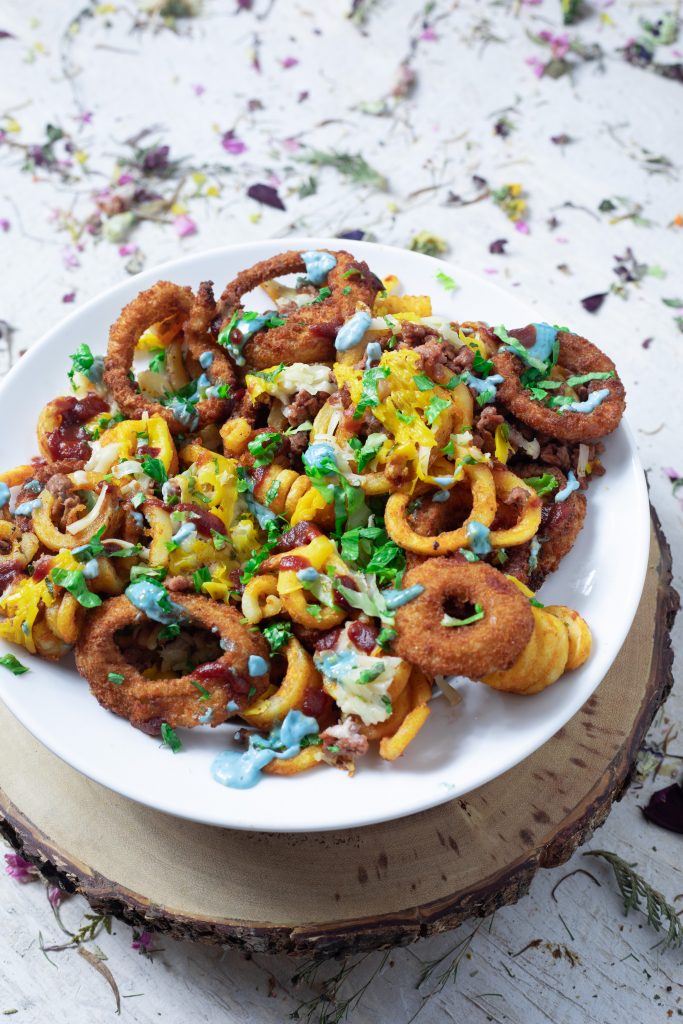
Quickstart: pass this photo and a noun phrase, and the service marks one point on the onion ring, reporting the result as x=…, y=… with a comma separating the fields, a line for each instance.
x=490, y=644
x=147, y=702
x=166, y=299
x=581, y=357
x=309, y=333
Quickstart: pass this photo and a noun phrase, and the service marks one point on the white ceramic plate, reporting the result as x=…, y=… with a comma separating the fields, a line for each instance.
x=460, y=748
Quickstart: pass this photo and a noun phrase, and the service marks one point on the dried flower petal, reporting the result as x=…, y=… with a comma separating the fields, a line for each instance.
x=592, y=303
x=267, y=195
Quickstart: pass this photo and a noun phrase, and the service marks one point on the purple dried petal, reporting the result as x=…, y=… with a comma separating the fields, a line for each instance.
x=666, y=808
x=592, y=303
x=561, y=140
x=267, y=195
x=647, y=342
x=498, y=247
x=354, y=236
x=5, y=35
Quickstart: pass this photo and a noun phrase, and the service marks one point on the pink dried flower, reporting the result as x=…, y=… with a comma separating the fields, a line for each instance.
x=55, y=895
x=70, y=257
x=20, y=869
x=537, y=65
x=128, y=249
x=199, y=90
x=125, y=179
x=522, y=227
x=289, y=62
x=428, y=35
x=4, y=224
x=69, y=297
x=142, y=941
x=291, y=145
x=232, y=144
x=184, y=225
x=670, y=473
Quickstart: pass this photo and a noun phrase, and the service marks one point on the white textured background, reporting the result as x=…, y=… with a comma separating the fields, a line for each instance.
x=287, y=78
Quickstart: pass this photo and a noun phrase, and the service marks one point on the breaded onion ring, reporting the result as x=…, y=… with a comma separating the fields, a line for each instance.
x=163, y=300
x=561, y=523
x=490, y=644
x=148, y=702
x=309, y=333
x=580, y=356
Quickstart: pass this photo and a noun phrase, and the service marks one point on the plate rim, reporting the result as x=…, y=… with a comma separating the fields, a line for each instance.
x=365, y=249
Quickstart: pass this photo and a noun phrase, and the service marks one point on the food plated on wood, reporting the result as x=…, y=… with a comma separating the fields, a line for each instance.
x=306, y=520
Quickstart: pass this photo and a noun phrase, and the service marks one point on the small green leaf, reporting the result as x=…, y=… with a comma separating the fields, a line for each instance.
x=13, y=665
x=170, y=737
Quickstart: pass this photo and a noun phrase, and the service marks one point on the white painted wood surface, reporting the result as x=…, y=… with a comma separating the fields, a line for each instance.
x=108, y=78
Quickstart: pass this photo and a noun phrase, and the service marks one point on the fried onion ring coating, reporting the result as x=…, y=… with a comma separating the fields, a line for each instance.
x=309, y=332
x=491, y=644
x=580, y=356
x=162, y=300
x=147, y=702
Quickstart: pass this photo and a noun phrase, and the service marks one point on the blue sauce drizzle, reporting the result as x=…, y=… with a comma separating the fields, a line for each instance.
x=572, y=485
x=91, y=569
x=205, y=719
x=594, y=399
x=308, y=575
x=257, y=666
x=246, y=328
x=33, y=486
x=185, y=414
x=373, y=354
x=542, y=348
x=149, y=598
x=478, y=537
x=4, y=494
x=317, y=455
x=186, y=531
x=336, y=665
x=482, y=386
x=243, y=770
x=444, y=481
x=206, y=360
x=202, y=382
x=232, y=706
x=318, y=265
x=263, y=514
x=96, y=371
x=353, y=331
x=441, y=496
x=27, y=507
x=534, y=550
x=138, y=518
x=396, y=598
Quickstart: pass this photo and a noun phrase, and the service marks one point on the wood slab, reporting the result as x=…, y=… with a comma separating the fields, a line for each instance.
x=332, y=892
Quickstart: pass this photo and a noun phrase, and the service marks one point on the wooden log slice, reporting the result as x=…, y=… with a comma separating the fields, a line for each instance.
x=332, y=892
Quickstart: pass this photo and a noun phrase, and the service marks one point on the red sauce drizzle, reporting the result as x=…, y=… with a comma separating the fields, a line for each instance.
x=219, y=673
x=316, y=703
x=295, y=562
x=69, y=440
x=303, y=533
x=363, y=635
x=204, y=521
x=42, y=568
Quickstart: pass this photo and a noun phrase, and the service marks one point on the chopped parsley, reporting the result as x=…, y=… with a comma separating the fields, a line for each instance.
x=203, y=693
x=263, y=448
x=149, y=573
x=366, y=452
x=158, y=360
x=368, y=675
x=573, y=382
x=155, y=469
x=369, y=398
x=271, y=493
x=268, y=375
x=278, y=634
x=423, y=382
x=482, y=367
x=13, y=665
x=81, y=362
x=535, y=603
x=446, y=281
x=435, y=408
x=387, y=703
x=116, y=678
x=169, y=632
x=200, y=577
x=386, y=635
x=543, y=485
x=219, y=539
x=73, y=581
x=448, y=620
x=169, y=738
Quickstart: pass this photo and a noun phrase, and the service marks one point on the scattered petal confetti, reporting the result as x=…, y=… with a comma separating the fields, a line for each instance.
x=267, y=195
